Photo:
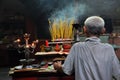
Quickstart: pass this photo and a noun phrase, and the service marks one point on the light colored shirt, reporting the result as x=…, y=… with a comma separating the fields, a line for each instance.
x=92, y=60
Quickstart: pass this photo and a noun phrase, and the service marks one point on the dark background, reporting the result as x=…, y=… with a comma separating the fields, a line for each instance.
x=39, y=11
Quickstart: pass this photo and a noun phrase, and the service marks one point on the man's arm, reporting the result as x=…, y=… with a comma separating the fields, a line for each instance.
x=116, y=66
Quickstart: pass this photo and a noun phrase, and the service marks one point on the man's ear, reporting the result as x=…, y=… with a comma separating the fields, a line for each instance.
x=103, y=30
x=84, y=29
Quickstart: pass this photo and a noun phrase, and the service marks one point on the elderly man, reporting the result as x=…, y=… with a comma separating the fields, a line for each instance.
x=91, y=59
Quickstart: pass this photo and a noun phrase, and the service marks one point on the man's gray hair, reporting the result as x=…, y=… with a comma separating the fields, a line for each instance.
x=94, y=25
x=94, y=21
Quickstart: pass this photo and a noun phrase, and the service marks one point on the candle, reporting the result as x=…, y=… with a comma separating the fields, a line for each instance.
x=27, y=46
x=46, y=43
x=37, y=41
x=33, y=45
x=18, y=40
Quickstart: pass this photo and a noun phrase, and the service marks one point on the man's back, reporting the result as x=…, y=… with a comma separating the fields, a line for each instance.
x=92, y=60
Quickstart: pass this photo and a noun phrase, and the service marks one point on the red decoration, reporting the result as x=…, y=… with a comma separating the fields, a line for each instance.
x=46, y=43
x=57, y=46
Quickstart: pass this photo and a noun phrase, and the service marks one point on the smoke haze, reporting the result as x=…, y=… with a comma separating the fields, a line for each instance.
x=42, y=10
x=78, y=8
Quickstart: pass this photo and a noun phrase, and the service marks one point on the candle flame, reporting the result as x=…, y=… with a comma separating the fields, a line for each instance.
x=27, y=46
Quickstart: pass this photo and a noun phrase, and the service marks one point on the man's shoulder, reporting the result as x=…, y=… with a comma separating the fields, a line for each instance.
x=107, y=45
x=79, y=44
x=83, y=44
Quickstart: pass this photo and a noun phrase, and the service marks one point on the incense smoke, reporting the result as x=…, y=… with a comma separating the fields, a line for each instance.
x=78, y=8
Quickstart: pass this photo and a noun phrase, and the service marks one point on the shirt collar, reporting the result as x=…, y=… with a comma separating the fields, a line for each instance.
x=93, y=39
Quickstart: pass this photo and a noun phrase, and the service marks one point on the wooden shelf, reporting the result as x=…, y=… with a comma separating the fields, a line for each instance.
x=61, y=42
x=51, y=53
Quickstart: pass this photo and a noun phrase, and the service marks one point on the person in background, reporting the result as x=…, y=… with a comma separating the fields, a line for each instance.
x=91, y=59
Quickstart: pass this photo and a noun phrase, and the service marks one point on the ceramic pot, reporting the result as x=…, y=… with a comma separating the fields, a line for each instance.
x=66, y=46
x=47, y=48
